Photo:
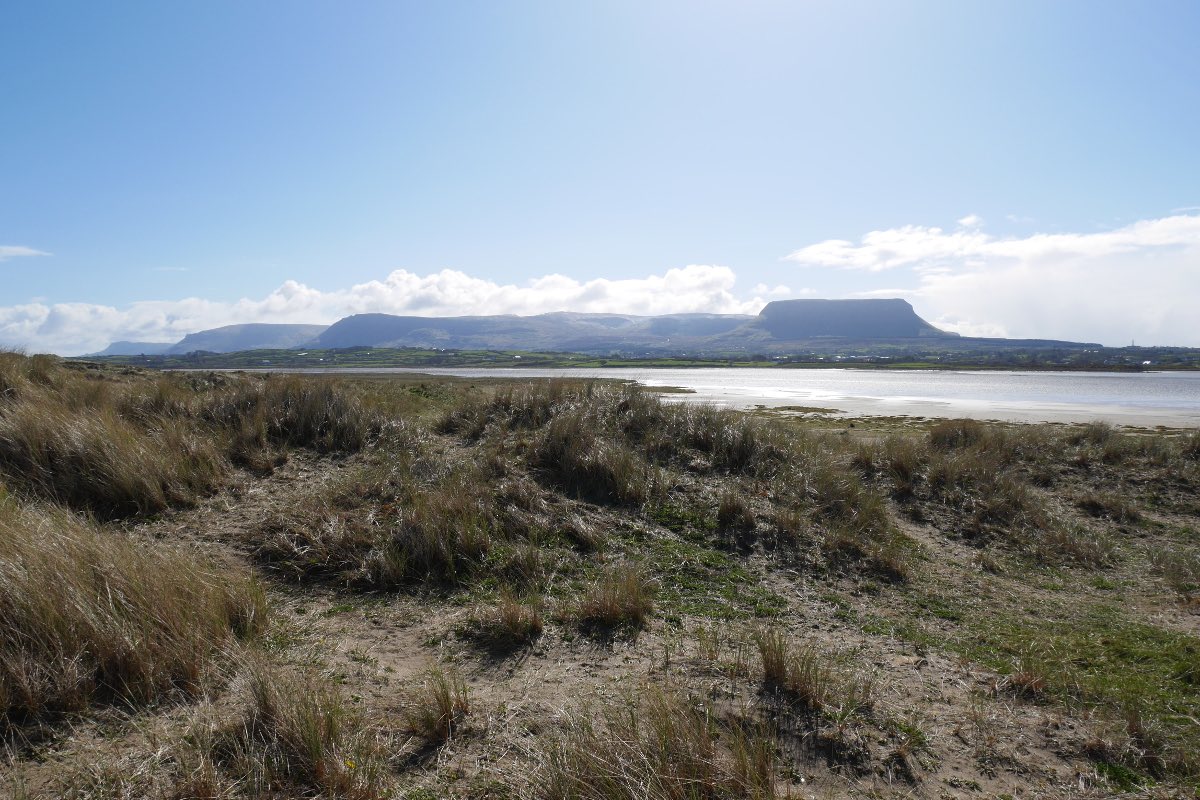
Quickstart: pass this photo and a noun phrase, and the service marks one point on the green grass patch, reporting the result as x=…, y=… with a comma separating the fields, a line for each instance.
x=695, y=580
x=1143, y=678
x=682, y=519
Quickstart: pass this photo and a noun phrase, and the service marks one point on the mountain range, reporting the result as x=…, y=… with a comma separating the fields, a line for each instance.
x=782, y=326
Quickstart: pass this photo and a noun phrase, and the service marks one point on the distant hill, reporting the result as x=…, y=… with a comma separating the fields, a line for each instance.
x=779, y=326
x=782, y=327
x=254, y=336
x=135, y=349
x=582, y=333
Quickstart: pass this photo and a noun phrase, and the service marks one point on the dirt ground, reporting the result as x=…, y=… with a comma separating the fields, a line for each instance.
x=942, y=724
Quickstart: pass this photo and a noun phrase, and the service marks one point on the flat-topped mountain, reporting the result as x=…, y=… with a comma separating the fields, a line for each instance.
x=849, y=319
x=782, y=326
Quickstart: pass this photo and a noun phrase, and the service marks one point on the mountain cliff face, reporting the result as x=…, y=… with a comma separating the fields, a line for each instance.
x=848, y=319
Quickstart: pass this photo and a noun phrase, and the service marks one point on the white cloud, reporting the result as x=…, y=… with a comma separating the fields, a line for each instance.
x=762, y=290
x=72, y=328
x=971, y=221
x=1140, y=281
x=14, y=251
x=898, y=247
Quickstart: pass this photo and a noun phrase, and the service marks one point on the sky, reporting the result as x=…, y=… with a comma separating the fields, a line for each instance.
x=1023, y=169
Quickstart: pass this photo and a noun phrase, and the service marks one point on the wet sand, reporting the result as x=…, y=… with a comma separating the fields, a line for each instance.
x=943, y=409
x=1144, y=400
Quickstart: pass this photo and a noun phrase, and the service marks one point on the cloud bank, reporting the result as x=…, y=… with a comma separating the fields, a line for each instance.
x=1141, y=281
x=73, y=328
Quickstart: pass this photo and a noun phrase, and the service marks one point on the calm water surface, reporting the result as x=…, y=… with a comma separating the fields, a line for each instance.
x=1146, y=398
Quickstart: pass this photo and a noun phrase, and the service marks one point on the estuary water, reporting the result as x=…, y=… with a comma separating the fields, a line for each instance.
x=1170, y=399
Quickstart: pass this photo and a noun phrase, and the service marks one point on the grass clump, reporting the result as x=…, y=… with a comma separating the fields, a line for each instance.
x=507, y=625
x=734, y=513
x=435, y=707
x=859, y=532
x=658, y=745
x=1180, y=569
x=731, y=441
x=1107, y=506
x=101, y=463
x=574, y=457
x=1066, y=545
x=810, y=678
x=955, y=434
x=294, y=411
x=594, y=439
x=441, y=538
x=1189, y=447
x=299, y=737
x=622, y=597
x=120, y=445
x=91, y=615
x=386, y=534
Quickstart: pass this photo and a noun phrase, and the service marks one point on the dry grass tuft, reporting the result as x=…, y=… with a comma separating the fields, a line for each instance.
x=1072, y=544
x=578, y=459
x=128, y=446
x=734, y=513
x=91, y=615
x=1108, y=506
x=1189, y=446
x=955, y=434
x=508, y=625
x=1180, y=569
x=99, y=462
x=622, y=597
x=386, y=536
x=434, y=709
x=298, y=738
x=294, y=411
x=658, y=745
x=811, y=678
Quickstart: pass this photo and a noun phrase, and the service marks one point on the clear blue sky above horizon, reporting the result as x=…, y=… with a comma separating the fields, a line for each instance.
x=157, y=153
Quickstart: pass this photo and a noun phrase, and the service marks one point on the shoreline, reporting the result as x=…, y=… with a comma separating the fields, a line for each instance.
x=916, y=409
x=693, y=385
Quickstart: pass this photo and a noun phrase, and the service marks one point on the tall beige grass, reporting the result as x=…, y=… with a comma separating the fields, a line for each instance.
x=99, y=462
x=118, y=445
x=657, y=745
x=298, y=737
x=91, y=615
x=622, y=595
x=303, y=412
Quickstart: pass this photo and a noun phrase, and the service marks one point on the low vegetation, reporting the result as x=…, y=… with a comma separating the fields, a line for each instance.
x=99, y=616
x=658, y=744
x=295, y=736
x=435, y=705
x=620, y=597
x=506, y=625
x=126, y=446
x=232, y=586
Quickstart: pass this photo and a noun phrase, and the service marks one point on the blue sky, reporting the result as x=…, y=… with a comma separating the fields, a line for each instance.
x=166, y=167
